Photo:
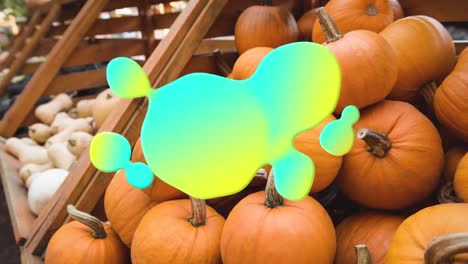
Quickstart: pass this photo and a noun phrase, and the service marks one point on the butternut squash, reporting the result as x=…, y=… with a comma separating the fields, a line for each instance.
x=46, y=112
x=106, y=101
x=29, y=141
x=85, y=107
x=73, y=113
x=60, y=156
x=26, y=153
x=40, y=132
x=63, y=121
x=78, y=142
x=29, y=169
x=62, y=136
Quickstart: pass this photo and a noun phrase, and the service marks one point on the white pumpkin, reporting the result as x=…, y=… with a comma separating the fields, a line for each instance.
x=43, y=186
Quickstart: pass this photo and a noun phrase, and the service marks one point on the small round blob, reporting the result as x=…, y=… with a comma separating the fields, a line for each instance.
x=139, y=175
x=110, y=152
x=350, y=115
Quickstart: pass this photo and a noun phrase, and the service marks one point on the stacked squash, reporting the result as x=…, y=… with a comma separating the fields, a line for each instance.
x=400, y=159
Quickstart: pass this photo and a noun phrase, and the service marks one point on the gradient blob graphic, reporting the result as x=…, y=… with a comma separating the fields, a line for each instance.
x=208, y=135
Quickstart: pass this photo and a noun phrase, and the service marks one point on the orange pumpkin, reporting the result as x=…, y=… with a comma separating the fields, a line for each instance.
x=374, y=229
x=398, y=160
x=425, y=52
x=326, y=165
x=350, y=15
x=178, y=231
x=247, y=63
x=397, y=9
x=306, y=24
x=451, y=99
x=364, y=50
x=265, y=228
x=265, y=26
x=460, y=182
x=452, y=158
x=86, y=240
x=413, y=238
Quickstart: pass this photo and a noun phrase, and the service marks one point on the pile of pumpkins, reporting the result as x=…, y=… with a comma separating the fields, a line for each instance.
x=64, y=131
x=407, y=170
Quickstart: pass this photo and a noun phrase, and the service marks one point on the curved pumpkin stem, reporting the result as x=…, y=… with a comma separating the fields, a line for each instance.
x=442, y=249
x=362, y=254
x=221, y=63
x=198, y=212
x=329, y=27
x=446, y=194
x=377, y=143
x=272, y=197
x=371, y=10
x=88, y=220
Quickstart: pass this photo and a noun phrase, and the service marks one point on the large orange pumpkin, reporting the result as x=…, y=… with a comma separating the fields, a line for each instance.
x=414, y=236
x=179, y=231
x=368, y=64
x=425, y=52
x=86, y=240
x=397, y=160
x=350, y=15
x=247, y=63
x=326, y=165
x=452, y=158
x=265, y=26
x=306, y=24
x=451, y=99
x=373, y=229
x=265, y=228
x=460, y=182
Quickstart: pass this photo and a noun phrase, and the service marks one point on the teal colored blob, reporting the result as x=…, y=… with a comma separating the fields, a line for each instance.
x=127, y=79
x=337, y=138
x=109, y=152
x=139, y=175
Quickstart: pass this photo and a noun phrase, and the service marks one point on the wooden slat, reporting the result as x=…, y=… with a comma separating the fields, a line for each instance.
x=207, y=64
x=48, y=70
x=28, y=258
x=106, y=26
x=444, y=11
x=118, y=4
x=16, y=197
x=77, y=81
x=209, y=45
x=44, y=46
x=199, y=14
x=164, y=21
x=147, y=32
x=460, y=45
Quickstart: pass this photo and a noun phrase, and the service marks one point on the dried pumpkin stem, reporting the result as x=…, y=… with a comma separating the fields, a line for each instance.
x=221, y=63
x=90, y=221
x=377, y=143
x=442, y=249
x=446, y=194
x=198, y=212
x=329, y=27
x=362, y=254
x=372, y=10
x=272, y=197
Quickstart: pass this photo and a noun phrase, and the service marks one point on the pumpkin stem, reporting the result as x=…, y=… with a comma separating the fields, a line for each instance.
x=377, y=143
x=446, y=194
x=372, y=10
x=272, y=197
x=221, y=63
x=109, y=96
x=442, y=249
x=198, y=217
x=88, y=220
x=362, y=254
x=72, y=142
x=267, y=2
x=329, y=27
x=262, y=174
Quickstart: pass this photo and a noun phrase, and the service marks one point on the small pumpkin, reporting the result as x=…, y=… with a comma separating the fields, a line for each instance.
x=451, y=99
x=452, y=158
x=306, y=25
x=350, y=15
x=86, y=240
x=368, y=64
x=265, y=26
x=392, y=165
x=264, y=220
x=460, y=182
x=248, y=62
x=374, y=229
x=425, y=52
x=197, y=225
x=414, y=239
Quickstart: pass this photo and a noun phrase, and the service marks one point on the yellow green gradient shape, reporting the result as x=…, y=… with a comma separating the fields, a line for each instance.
x=208, y=135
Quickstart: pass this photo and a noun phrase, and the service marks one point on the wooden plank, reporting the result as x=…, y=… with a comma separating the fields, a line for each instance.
x=147, y=32
x=199, y=14
x=208, y=64
x=28, y=258
x=209, y=45
x=47, y=71
x=106, y=26
x=118, y=4
x=162, y=21
x=22, y=218
x=444, y=11
x=77, y=81
x=460, y=45
x=44, y=46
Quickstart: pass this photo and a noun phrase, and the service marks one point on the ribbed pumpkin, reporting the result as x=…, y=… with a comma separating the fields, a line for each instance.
x=265, y=26
x=374, y=229
x=326, y=165
x=425, y=52
x=460, y=181
x=264, y=228
x=306, y=24
x=179, y=231
x=451, y=99
x=364, y=50
x=350, y=15
x=397, y=9
x=452, y=158
x=397, y=159
x=412, y=240
x=247, y=63
x=86, y=240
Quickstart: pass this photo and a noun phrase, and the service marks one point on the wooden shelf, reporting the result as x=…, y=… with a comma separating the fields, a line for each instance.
x=28, y=258
x=21, y=217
